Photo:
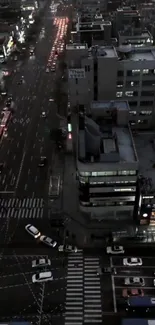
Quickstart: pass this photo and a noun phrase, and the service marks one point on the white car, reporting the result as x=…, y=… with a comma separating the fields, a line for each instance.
x=132, y=261
x=115, y=250
x=67, y=248
x=5, y=108
x=42, y=277
x=48, y=241
x=134, y=281
x=42, y=262
x=43, y=114
x=33, y=231
x=51, y=100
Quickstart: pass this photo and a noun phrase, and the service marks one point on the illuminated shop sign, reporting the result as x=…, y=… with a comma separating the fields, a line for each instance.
x=76, y=73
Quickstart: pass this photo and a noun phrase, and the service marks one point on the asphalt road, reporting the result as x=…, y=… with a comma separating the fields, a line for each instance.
x=35, y=302
x=28, y=133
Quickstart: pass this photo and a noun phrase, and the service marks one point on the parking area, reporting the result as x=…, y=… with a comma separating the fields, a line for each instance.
x=26, y=298
x=132, y=280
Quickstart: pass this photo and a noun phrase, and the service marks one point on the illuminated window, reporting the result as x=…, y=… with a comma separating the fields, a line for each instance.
x=132, y=112
x=129, y=93
x=136, y=72
x=119, y=94
x=145, y=71
x=145, y=113
x=119, y=84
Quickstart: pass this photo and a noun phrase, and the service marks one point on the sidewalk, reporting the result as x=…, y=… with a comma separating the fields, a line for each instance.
x=77, y=225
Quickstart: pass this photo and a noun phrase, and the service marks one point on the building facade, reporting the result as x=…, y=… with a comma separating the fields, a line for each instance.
x=107, y=163
x=107, y=73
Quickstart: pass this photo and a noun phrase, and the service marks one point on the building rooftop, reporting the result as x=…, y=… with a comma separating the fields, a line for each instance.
x=135, y=33
x=89, y=26
x=76, y=46
x=137, y=54
x=143, y=54
x=128, y=11
x=145, y=146
x=102, y=140
x=104, y=51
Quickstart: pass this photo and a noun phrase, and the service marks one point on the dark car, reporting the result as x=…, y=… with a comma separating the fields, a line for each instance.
x=43, y=161
x=1, y=167
x=20, y=82
x=106, y=270
x=8, y=101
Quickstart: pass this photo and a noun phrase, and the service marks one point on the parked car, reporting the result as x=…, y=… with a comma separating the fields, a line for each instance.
x=33, y=231
x=132, y=281
x=42, y=262
x=67, y=248
x=132, y=261
x=115, y=250
x=42, y=277
x=132, y=292
x=105, y=270
x=48, y=241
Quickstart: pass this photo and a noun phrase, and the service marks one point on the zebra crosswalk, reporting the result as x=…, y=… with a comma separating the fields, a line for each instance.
x=92, y=291
x=28, y=208
x=83, y=292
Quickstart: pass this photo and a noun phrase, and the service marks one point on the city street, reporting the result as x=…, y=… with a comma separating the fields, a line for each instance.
x=28, y=132
x=38, y=299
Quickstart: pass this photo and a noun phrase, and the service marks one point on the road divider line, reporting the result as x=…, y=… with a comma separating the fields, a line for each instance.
x=145, y=288
x=20, y=170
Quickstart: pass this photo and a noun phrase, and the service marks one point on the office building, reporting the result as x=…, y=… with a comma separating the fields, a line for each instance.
x=126, y=16
x=10, y=10
x=96, y=31
x=107, y=163
x=135, y=37
x=91, y=6
x=107, y=73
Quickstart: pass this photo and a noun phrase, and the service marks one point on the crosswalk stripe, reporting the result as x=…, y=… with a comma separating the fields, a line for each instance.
x=83, y=292
x=26, y=208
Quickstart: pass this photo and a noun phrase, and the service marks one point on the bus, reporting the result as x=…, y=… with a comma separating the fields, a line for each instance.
x=54, y=187
x=141, y=305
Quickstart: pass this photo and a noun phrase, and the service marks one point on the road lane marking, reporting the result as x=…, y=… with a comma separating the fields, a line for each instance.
x=20, y=169
x=132, y=275
x=133, y=267
x=15, y=274
x=113, y=287
x=145, y=288
x=25, y=187
x=15, y=285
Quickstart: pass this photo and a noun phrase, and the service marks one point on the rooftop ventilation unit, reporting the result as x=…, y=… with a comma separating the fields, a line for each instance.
x=125, y=48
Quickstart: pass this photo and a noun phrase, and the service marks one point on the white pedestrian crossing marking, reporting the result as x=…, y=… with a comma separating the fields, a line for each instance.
x=92, y=292
x=83, y=294
x=74, y=292
x=27, y=208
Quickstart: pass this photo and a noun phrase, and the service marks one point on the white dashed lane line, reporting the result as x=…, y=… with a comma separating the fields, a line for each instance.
x=16, y=285
x=15, y=274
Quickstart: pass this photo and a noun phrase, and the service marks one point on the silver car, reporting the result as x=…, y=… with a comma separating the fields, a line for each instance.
x=48, y=241
x=42, y=262
x=33, y=231
x=134, y=281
